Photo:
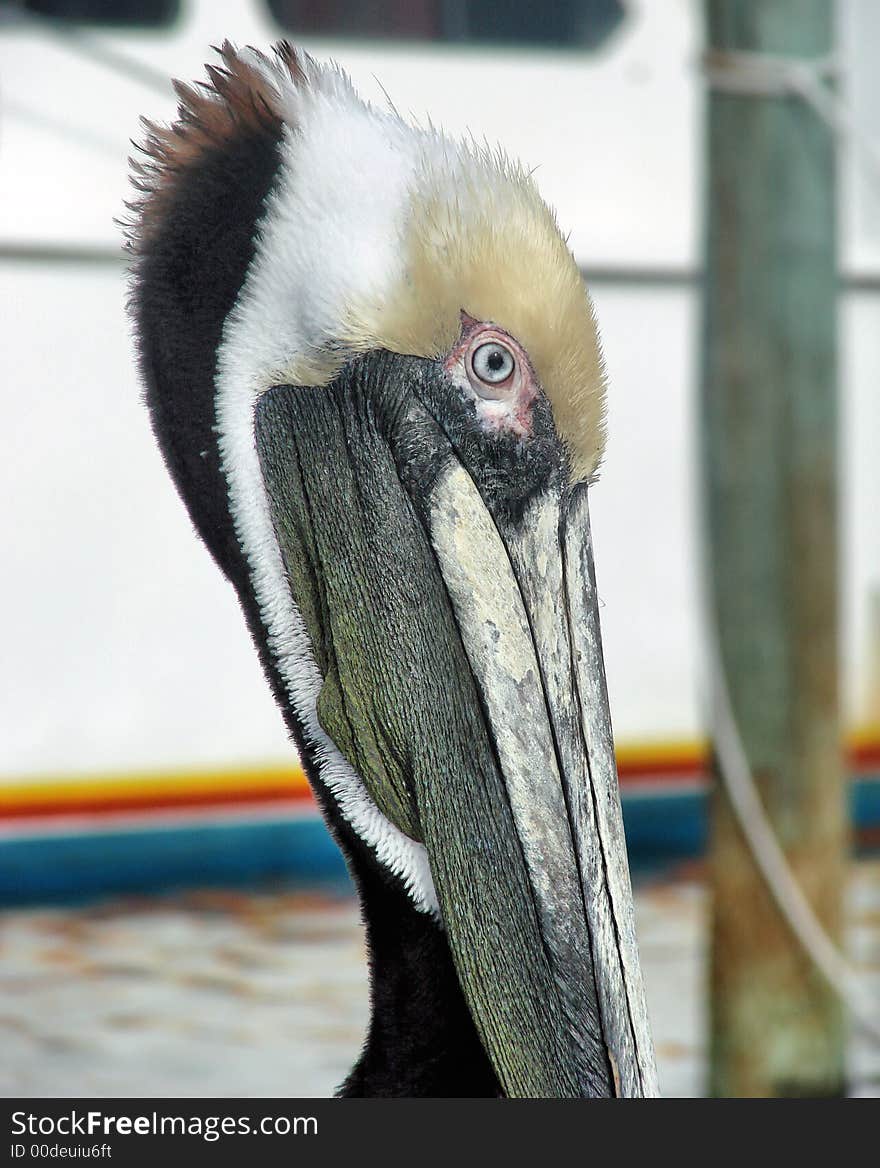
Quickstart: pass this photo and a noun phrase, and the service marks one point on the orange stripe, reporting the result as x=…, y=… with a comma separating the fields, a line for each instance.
x=110, y=806
x=637, y=763
x=214, y=785
x=686, y=765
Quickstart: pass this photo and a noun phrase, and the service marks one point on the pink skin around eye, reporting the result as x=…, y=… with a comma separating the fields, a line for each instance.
x=505, y=405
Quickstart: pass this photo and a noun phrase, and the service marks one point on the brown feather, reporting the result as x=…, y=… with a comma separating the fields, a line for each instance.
x=239, y=97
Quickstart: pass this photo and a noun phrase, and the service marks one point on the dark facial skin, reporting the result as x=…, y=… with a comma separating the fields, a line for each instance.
x=507, y=469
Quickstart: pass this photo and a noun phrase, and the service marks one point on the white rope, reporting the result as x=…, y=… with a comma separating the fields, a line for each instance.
x=766, y=75
x=770, y=859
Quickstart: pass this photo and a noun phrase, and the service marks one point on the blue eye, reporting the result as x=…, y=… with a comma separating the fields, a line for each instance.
x=492, y=363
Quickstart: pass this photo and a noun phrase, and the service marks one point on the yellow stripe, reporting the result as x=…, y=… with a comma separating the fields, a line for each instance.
x=654, y=753
x=657, y=752
x=52, y=791
x=865, y=737
x=59, y=790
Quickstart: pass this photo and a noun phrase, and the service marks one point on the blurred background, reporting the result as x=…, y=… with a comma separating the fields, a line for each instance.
x=175, y=918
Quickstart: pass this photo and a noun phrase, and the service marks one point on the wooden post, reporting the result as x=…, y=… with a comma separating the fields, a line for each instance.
x=769, y=435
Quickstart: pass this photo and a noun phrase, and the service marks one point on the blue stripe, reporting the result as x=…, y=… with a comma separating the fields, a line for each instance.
x=661, y=828
x=53, y=868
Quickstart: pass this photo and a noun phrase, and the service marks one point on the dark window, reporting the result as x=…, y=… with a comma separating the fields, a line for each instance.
x=116, y=13
x=555, y=24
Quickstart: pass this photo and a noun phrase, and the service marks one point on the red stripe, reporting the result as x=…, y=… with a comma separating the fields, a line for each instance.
x=865, y=757
x=859, y=759
x=683, y=769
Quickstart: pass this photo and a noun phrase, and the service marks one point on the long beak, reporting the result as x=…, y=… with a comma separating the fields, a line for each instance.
x=524, y=597
x=464, y=681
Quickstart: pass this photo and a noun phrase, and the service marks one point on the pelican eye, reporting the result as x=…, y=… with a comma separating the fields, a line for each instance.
x=493, y=363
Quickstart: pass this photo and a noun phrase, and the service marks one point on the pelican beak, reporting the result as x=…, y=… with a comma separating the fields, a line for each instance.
x=447, y=584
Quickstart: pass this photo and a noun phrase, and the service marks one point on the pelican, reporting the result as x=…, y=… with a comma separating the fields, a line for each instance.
x=374, y=373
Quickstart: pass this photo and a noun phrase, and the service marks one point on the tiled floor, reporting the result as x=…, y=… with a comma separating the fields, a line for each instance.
x=222, y=993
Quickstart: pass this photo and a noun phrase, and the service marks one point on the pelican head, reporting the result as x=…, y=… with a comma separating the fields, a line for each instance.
x=374, y=373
